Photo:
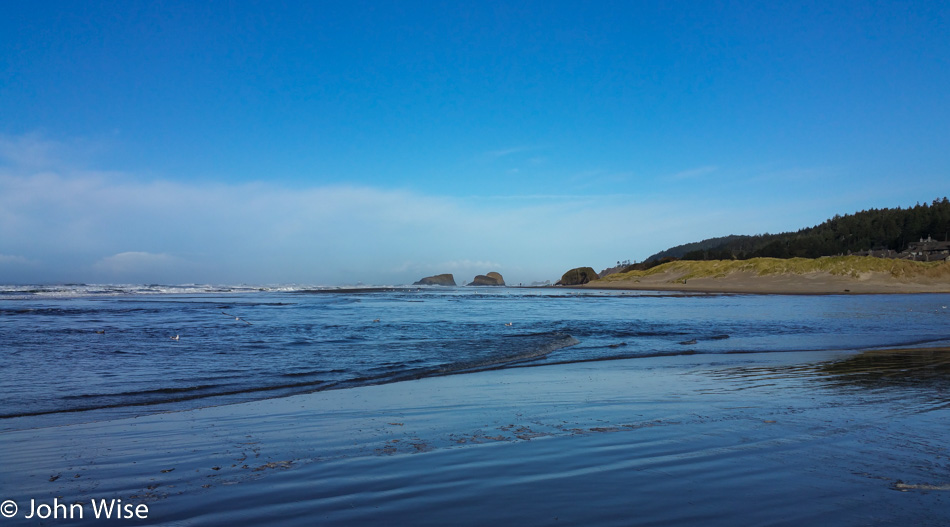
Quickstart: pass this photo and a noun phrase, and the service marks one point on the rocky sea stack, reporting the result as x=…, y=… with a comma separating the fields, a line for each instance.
x=440, y=279
x=492, y=278
x=578, y=276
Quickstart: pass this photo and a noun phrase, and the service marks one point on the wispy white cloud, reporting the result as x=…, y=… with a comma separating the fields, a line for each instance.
x=13, y=259
x=505, y=152
x=599, y=179
x=693, y=173
x=135, y=262
x=27, y=150
x=142, y=267
x=462, y=267
x=577, y=197
x=794, y=175
x=485, y=265
x=36, y=151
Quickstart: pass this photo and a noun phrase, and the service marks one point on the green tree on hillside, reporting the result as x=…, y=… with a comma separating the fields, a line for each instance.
x=874, y=229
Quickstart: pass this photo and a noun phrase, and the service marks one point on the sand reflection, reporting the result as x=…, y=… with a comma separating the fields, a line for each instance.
x=919, y=377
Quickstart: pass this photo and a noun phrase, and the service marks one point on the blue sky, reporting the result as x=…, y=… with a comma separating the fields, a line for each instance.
x=337, y=142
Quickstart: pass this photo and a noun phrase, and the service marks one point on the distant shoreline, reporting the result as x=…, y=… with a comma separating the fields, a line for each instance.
x=762, y=289
x=831, y=276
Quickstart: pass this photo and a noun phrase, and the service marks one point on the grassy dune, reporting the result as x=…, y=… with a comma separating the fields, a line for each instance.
x=844, y=266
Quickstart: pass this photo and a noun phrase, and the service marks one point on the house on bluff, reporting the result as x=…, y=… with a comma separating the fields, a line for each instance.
x=928, y=250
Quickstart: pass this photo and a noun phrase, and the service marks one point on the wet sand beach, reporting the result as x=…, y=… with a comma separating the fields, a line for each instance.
x=831, y=438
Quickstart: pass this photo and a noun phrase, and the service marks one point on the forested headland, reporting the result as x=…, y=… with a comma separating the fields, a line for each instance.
x=879, y=230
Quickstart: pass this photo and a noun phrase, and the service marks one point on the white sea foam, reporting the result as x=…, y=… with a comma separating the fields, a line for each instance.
x=82, y=290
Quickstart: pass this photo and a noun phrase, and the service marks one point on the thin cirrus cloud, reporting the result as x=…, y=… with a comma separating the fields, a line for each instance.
x=694, y=173
x=13, y=259
x=462, y=269
x=506, y=152
x=138, y=266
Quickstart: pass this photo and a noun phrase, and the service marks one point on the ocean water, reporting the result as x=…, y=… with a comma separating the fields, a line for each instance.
x=81, y=353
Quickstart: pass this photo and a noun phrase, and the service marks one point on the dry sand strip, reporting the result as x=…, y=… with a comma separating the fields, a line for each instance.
x=723, y=440
x=826, y=275
x=785, y=284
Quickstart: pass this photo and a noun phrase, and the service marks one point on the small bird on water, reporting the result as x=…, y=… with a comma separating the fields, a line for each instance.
x=176, y=337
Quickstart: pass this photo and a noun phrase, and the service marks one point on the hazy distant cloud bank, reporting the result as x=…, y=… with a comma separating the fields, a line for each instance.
x=13, y=259
x=139, y=267
x=60, y=221
x=64, y=223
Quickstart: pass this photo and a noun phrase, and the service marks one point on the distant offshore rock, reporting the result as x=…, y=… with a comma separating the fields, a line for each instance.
x=578, y=276
x=439, y=279
x=492, y=278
